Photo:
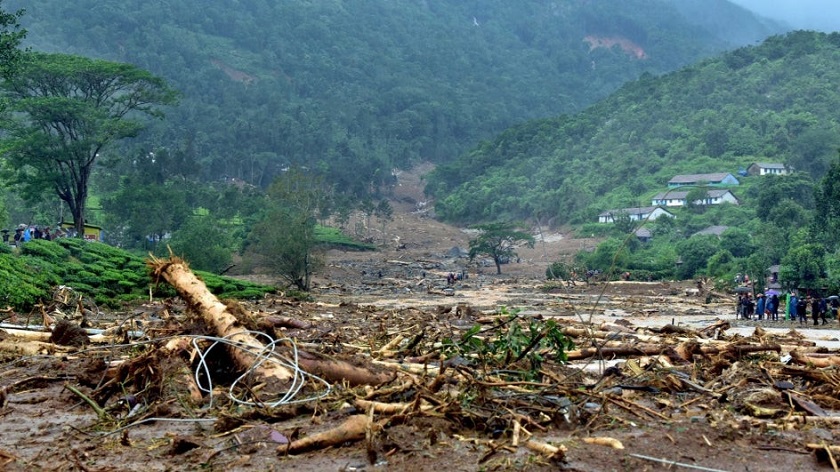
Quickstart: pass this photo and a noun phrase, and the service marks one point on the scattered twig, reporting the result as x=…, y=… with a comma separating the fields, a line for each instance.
x=100, y=412
x=678, y=464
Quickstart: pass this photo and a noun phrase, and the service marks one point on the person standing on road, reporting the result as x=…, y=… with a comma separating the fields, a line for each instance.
x=790, y=309
x=759, y=306
x=823, y=309
x=802, y=310
x=815, y=310
x=774, y=307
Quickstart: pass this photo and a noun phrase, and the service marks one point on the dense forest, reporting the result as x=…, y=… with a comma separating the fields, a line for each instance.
x=354, y=89
x=775, y=102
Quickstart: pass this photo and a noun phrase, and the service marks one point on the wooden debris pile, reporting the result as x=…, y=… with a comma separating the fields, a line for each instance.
x=499, y=381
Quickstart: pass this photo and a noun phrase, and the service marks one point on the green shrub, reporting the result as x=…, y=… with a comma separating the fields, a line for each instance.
x=46, y=250
x=564, y=271
x=108, y=275
x=245, y=294
x=591, y=230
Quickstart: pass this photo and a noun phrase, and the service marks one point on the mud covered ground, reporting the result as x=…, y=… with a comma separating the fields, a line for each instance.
x=701, y=402
x=45, y=426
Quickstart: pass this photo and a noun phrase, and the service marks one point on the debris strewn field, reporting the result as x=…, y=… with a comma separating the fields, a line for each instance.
x=390, y=368
x=468, y=381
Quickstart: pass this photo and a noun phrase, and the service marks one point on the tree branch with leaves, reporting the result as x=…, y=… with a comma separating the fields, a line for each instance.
x=498, y=241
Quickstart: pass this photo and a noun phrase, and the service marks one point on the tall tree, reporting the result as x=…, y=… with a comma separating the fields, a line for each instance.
x=498, y=241
x=284, y=240
x=804, y=266
x=141, y=213
x=67, y=110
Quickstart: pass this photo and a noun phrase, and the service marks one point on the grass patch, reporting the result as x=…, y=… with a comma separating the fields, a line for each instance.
x=333, y=237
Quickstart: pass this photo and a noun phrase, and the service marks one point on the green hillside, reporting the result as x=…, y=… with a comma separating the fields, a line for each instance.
x=775, y=102
x=355, y=88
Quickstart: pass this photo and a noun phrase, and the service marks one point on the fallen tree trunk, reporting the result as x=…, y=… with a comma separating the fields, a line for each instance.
x=216, y=315
x=32, y=348
x=335, y=370
x=709, y=331
x=225, y=324
x=815, y=359
x=685, y=350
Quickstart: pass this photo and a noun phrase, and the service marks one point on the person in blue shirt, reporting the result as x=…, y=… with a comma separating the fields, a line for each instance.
x=792, y=302
x=759, y=306
x=773, y=307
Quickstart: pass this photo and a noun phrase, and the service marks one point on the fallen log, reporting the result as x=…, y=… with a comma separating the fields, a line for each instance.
x=335, y=370
x=814, y=360
x=684, y=350
x=604, y=441
x=32, y=348
x=388, y=408
x=596, y=333
x=554, y=453
x=710, y=330
x=44, y=334
x=216, y=315
x=353, y=429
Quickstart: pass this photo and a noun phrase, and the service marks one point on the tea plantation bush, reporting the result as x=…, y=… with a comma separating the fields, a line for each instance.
x=106, y=274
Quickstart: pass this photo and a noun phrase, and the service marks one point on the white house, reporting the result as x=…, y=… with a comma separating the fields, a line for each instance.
x=678, y=198
x=718, y=179
x=635, y=214
x=765, y=168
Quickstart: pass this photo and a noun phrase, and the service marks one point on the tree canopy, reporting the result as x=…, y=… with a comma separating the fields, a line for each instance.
x=498, y=241
x=11, y=35
x=67, y=110
x=284, y=241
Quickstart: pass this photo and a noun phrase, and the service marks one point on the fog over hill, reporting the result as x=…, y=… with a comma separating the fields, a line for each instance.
x=820, y=15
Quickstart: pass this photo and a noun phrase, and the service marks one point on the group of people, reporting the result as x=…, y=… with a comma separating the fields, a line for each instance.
x=795, y=307
x=24, y=233
x=451, y=278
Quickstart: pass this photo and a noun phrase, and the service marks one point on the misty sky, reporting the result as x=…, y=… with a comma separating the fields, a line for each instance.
x=820, y=15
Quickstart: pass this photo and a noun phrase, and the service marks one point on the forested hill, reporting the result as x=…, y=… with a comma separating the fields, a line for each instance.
x=357, y=87
x=775, y=102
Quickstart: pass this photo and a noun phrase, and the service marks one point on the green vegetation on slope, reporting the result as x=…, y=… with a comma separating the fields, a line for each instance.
x=775, y=102
x=333, y=238
x=105, y=274
x=356, y=88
